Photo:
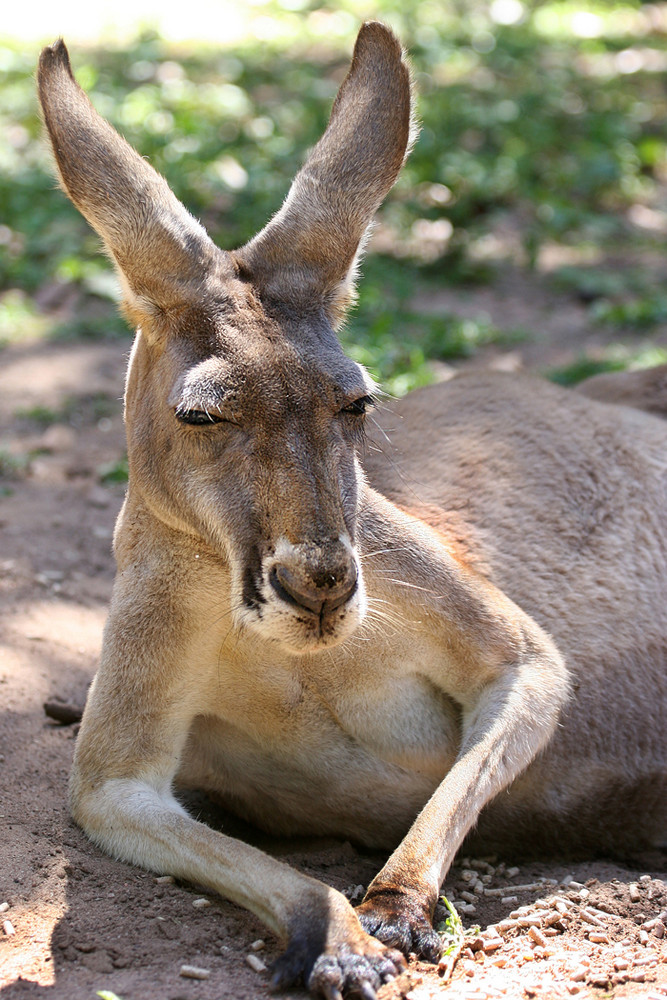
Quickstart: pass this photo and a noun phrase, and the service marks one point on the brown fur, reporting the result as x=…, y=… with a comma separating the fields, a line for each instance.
x=328, y=650
x=645, y=389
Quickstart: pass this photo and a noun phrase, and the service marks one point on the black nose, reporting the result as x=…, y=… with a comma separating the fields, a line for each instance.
x=318, y=592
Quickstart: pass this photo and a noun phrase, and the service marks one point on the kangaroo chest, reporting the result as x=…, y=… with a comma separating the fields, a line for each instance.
x=324, y=746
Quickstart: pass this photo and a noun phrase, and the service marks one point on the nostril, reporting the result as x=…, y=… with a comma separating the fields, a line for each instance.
x=288, y=589
x=342, y=596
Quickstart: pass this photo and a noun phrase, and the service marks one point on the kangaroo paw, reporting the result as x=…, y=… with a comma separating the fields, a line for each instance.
x=401, y=920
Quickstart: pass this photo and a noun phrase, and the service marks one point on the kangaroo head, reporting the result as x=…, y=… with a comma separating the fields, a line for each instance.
x=243, y=414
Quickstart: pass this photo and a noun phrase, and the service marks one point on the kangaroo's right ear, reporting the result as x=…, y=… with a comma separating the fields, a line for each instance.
x=308, y=250
x=162, y=253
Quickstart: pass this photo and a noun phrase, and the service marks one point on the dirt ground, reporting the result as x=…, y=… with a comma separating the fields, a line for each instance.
x=77, y=922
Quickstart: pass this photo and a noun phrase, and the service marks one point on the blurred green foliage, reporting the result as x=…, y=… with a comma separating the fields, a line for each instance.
x=547, y=119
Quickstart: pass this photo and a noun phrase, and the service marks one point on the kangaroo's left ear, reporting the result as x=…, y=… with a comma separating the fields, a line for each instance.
x=162, y=254
x=308, y=250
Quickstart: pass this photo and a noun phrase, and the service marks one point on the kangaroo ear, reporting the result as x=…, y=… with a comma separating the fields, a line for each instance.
x=308, y=250
x=162, y=253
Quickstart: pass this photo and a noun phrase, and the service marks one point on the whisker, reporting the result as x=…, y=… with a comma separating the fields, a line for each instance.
x=404, y=583
x=391, y=548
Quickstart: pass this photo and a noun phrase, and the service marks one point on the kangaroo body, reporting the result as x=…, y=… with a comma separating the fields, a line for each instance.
x=347, y=620
x=364, y=753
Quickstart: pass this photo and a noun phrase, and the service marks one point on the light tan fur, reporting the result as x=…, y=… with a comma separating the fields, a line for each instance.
x=372, y=654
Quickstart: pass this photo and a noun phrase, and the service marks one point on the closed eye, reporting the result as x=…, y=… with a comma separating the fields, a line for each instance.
x=197, y=417
x=359, y=406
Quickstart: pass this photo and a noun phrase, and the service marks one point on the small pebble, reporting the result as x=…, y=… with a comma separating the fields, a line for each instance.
x=492, y=944
x=4, y=907
x=635, y=894
x=201, y=903
x=8, y=928
x=503, y=890
x=258, y=945
x=598, y=937
x=194, y=972
x=591, y=918
x=483, y=866
x=537, y=936
x=165, y=880
x=621, y=963
x=255, y=963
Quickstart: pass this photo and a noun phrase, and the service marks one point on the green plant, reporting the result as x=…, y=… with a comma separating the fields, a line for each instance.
x=529, y=127
x=114, y=472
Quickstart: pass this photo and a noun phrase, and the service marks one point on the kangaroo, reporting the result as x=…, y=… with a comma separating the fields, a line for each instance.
x=347, y=621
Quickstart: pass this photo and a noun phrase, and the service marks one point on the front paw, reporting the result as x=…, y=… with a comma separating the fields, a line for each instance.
x=337, y=961
x=346, y=973
x=401, y=920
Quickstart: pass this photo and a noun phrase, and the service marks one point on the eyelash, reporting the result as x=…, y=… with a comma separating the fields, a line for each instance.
x=359, y=407
x=197, y=417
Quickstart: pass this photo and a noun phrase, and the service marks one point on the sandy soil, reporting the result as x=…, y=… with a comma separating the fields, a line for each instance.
x=77, y=922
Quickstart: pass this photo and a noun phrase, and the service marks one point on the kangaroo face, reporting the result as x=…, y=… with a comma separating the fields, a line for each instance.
x=243, y=428
x=243, y=414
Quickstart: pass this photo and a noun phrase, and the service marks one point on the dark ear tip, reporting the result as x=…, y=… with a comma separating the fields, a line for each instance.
x=377, y=33
x=54, y=57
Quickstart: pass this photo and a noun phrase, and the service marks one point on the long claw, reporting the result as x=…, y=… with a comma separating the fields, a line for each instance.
x=367, y=992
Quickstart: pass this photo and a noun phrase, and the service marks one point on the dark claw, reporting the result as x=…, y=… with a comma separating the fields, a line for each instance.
x=389, y=968
x=327, y=977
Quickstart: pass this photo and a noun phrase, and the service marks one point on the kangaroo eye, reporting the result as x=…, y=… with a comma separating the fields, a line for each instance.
x=197, y=417
x=359, y=406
